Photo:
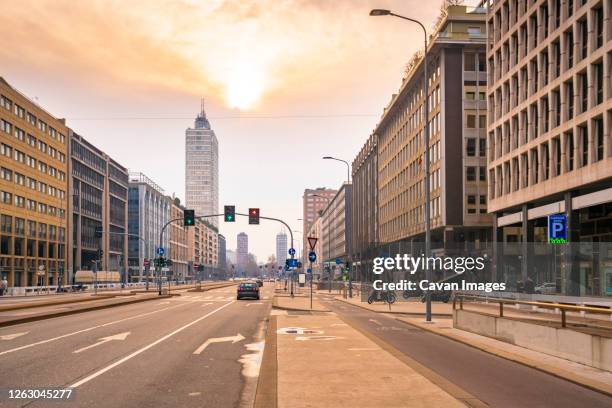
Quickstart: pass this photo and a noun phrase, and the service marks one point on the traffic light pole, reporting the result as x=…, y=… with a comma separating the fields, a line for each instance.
x=161, y=240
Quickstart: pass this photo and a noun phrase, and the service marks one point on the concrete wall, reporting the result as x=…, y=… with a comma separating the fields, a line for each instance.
x=591, y=350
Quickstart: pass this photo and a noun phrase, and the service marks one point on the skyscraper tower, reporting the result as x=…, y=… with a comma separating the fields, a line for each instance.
x=202, y=168
x=281, y=248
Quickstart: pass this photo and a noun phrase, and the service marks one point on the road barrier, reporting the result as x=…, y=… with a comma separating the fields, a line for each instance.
x=563, y=308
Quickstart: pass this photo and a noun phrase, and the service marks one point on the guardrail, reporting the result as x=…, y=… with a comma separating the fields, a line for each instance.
x=557, y=306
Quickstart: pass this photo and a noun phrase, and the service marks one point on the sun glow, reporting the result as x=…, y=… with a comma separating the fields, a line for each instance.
x=244, y=88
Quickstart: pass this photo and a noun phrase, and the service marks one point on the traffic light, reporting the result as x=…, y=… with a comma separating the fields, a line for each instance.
x=230, y=213
x=254, y=216
x=188, y=218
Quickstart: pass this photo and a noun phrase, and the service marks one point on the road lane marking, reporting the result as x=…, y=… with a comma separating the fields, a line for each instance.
x=233, y=339
x=206, y=304
x=251, y=304
x=145, y=348
x=86, y=330
x=120, y=336
x=12, y=336
x=375, y=321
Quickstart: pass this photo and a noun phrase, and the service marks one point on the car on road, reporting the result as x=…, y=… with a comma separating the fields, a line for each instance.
x=247, y=290
x=546, y=288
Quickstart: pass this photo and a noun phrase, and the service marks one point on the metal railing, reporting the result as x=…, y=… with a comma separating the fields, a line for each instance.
x=556, y=306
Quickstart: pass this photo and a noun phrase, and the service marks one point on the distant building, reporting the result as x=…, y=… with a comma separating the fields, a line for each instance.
x=230, y=256
x=99, y=188
x=178, y=251
x=242, y=252
x=222, y=251
x=281, y=248
x=202, y=168
x=336, y=227
x=314, y=202
x=365, y=209
x=148, y=211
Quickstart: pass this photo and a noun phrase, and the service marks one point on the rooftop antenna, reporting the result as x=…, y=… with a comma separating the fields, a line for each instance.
x=202, y=107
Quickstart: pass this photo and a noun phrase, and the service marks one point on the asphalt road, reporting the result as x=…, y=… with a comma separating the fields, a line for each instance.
x=142, y=354
x=493, y=380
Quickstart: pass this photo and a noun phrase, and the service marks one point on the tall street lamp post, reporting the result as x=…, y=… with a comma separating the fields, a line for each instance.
x=382, y=12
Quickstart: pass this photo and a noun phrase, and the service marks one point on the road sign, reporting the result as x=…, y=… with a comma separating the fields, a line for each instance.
x=338, y=261
x=291, y=251
x=301, y=278
x=309, y=270
x=557, y=229
x=160, y=251
x=312, y=256
x=312, y=242
x=291, y=263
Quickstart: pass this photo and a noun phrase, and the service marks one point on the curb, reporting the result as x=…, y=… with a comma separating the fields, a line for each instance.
x=75, y=311
x=545, y=368
x=294, y=309
x=394, y=312
x=266, y=395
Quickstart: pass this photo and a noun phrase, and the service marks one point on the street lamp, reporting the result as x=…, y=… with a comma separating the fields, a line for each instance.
x=348, y=167
x=383, y=12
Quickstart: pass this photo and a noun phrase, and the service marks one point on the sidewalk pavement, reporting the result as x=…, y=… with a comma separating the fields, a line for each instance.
x=323, y=362
x=584, y=375
x=301, y=302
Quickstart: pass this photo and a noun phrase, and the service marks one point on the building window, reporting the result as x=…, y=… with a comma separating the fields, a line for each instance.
x=469, y=62
x=471, y=173
x=483, y=173
x=599, y=139
x=482, y=147
x=471, y=146
x=471, y=121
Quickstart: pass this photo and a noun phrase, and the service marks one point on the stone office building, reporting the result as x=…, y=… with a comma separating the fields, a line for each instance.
x=457, y=144
x=549, y=146
x=33, y=192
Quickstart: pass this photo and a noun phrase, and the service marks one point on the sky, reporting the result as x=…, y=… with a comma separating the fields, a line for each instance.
x=285, y=83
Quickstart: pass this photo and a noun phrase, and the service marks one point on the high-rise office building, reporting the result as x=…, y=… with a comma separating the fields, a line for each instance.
x=281, y=248
x=314, y=202
x=242, y=252
x=202, y=168
x=549, y=147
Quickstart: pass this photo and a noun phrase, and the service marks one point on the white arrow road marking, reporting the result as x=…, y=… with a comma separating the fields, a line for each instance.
x=233, y=339
x=251, y=304
x=12, y=336
x=206, y=304
x=120, y=336
x=145, y=348
x=376, y=322
x=38, y=343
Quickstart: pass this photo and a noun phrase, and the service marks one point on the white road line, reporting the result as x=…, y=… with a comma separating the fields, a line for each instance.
x=85, y=330
x=145, y=348
x=206, y=304
x=12, y=336
x=375, y=321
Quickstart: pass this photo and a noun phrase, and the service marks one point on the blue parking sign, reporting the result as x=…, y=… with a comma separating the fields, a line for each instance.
x=557, y=229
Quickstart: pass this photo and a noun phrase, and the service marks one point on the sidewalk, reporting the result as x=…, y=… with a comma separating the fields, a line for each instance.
x=323, y=362
x=302, y=302
x=410, y=307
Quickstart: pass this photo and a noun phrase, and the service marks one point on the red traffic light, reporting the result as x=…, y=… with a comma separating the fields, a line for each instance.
x=253, y=215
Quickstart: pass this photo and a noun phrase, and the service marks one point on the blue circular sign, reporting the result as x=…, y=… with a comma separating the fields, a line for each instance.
x=291, y=251
x=312, y=256
x=160, y=251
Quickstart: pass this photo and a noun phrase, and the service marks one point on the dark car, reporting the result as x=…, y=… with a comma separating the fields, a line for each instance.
x=248, y=290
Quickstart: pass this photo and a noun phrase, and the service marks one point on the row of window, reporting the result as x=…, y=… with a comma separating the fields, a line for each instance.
x=20, y=112
x=558, y=155
x=22, y=180
x=31, y=140
x=21, y=157
x=34, y=229
x=31, y=205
